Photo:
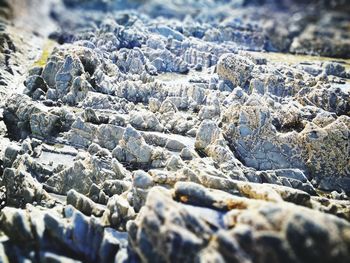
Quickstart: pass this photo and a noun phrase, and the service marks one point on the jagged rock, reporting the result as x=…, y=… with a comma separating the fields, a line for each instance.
x=80, y=176
x=71, y=68
x=154, y=105
x=97, y=195
x=257, y=154
x=33, y=83
x=322, y=159
x=21, y=187
x=334, y=69
x=133, y=148
x=171, y=239
x=207, y=134
x=83, y=203
x=81, y=133
x=145, y=121
x=24, y=117
x=131, y=61
x=113, y=187
x=44, y=123
x=142, y=179
x=119, y=212
x=49, y=72
x=10, y=155
x=147, y=132
x=330, y=99
x=173, y=220
x=108, y=135
x=235, y=68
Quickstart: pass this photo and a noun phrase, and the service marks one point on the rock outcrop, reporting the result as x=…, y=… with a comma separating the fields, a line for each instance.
x=168, y=131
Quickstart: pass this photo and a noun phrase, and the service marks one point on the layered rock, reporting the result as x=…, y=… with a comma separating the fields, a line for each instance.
x=149, y=132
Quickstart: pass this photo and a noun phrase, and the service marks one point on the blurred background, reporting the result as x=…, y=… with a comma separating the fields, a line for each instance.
x=315, y=27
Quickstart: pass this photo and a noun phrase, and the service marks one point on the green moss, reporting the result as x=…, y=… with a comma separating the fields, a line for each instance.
x=47, y=49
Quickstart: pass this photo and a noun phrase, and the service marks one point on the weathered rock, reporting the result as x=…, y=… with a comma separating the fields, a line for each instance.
x=133, y=148
x=33, y=83
x=148, y=132
x=252, y=228
x=83, y=203
x=24, y=117
x=80, y=176
x=119, y=212
x=236, y=69
x=21, y=187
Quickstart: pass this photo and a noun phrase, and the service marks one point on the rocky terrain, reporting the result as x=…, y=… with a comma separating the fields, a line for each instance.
x=175, y=131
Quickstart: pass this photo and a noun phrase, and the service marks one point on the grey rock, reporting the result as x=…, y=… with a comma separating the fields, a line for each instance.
x=33, y=83
x=83, y=204
x=142, y=179
x=207, y=134
x=235, y=68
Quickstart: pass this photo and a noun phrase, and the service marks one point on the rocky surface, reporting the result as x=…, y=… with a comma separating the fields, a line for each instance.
x=175, y=131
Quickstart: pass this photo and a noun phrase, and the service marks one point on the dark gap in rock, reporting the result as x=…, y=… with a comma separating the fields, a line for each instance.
x=132, y=166
x=15, y=133
x=62, y=37
x=297, y=126
x=201, y=153
x=88, y=65
x=1, y=167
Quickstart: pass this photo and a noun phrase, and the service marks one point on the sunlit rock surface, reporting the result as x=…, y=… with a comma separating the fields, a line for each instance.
x=174, y=131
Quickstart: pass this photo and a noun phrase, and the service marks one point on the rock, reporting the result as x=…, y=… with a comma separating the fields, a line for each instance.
x=10, y=155
x=118, y=169
x=97, y=195
x=154, y=105
x=83, y=204
x=145, y=121
x=80, y=176
x=174, y=163
x=235, y=68
x=142, y=179
x=132, y=61
x=175, y=237
x=167, y=32
x=187, y=154
x=81, y=133
x=167, y=106
x=49, y=72
x=133, y=148
x=113, y=187
x=91, y=116
x=109, y=135
x=191, y=131
x=24, y=117
x=119, y=211
x=33, y=83
x=71, y=68
x=251, y=235
x=44, y=124
x=207, y=134
x=174, y=145
x=22, y=188
x=81, y=229
x=16, y=224
x=334, y=69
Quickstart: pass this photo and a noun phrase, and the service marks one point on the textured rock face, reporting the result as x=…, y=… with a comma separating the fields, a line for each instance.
x=178, y=232
x=236, y=69
x=158, y=131
x=299, y=141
